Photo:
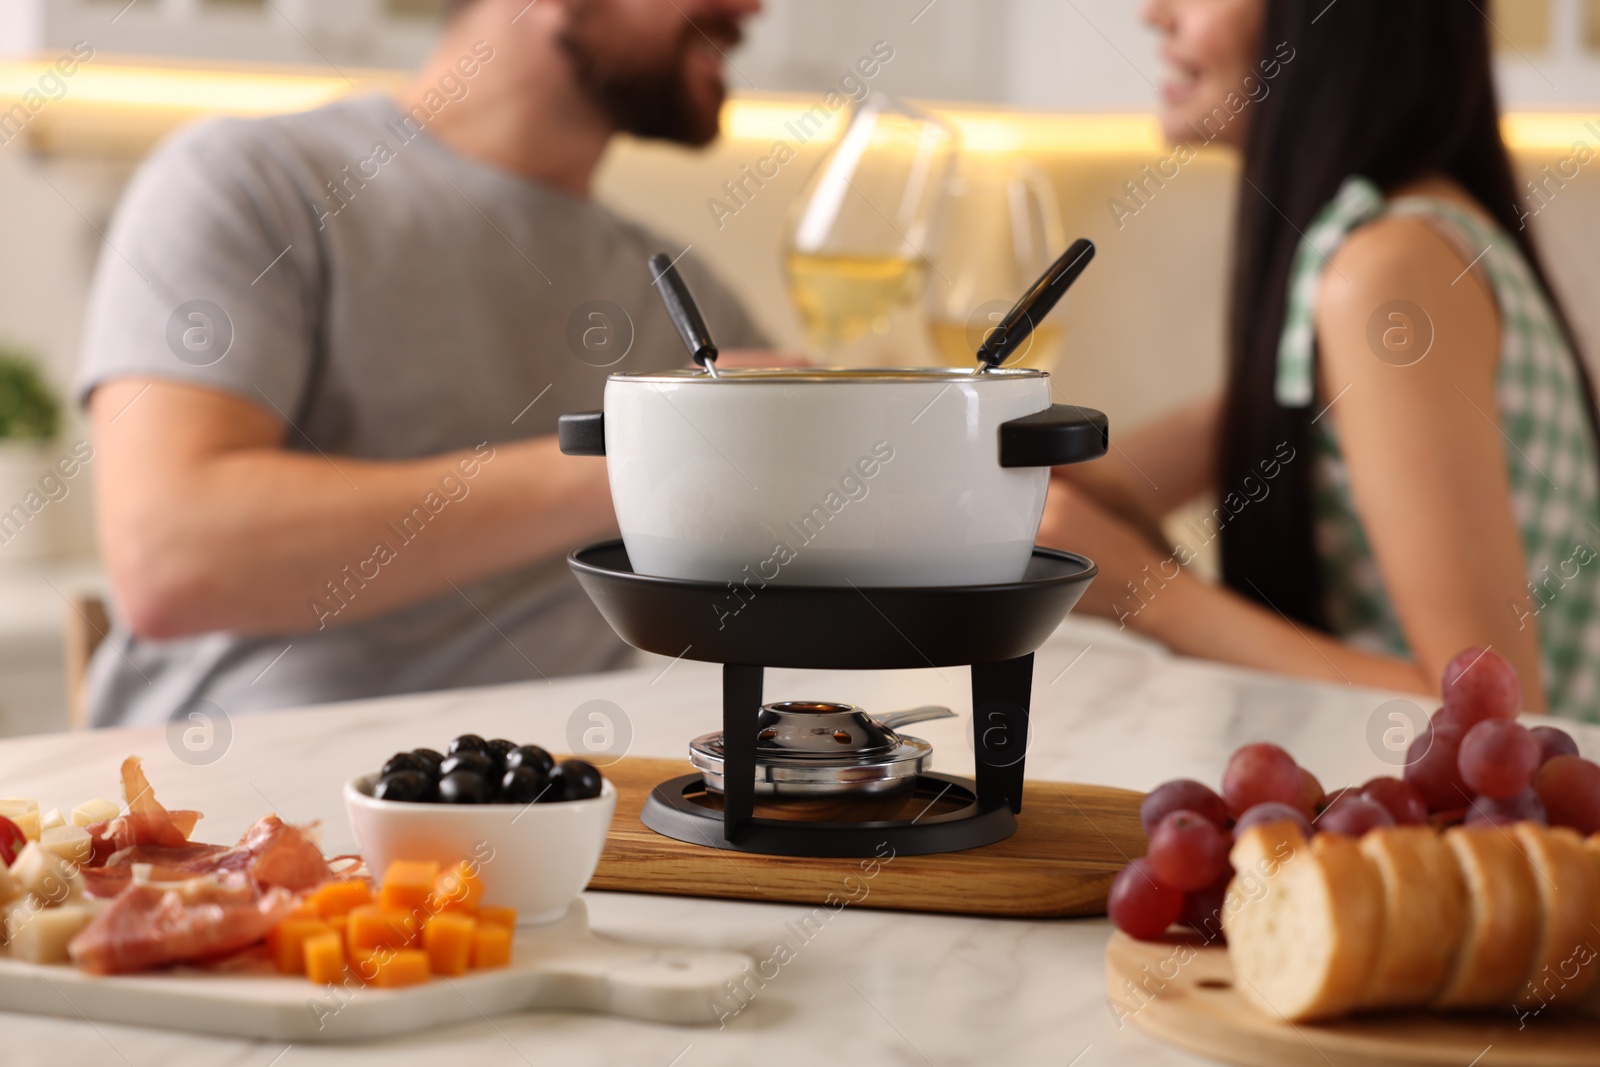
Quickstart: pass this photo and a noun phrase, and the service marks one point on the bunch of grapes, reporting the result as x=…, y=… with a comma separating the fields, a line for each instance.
x=1474, y=764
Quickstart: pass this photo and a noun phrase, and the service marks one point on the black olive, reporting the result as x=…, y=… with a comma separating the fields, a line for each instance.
x=402, y=761
x=579, y=780
x=531, y=756
x=429, y=759
x=523, y=785
x=463, y=787
x=412, y=786
x=468, y=743
x=473, y=762
x=497, y=749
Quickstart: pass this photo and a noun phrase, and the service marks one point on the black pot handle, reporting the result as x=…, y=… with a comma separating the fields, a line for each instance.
x=582, y=433
x=1061, y=433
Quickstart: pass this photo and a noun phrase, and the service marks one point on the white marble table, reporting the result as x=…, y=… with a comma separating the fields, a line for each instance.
x=872, y=987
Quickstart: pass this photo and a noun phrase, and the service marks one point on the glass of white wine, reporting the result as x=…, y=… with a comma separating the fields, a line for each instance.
x=853, y=251
x=1001, y=229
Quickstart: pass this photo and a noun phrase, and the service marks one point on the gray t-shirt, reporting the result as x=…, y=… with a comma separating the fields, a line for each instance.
x=384, y=298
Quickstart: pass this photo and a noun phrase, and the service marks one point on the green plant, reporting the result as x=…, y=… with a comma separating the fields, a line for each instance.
x=29, y=408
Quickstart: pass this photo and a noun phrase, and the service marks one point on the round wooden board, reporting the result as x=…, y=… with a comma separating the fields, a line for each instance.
x=1182, y=992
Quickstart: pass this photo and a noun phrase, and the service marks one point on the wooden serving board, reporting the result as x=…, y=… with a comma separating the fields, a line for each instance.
x=1182, y=992
x=1070, y=842
x=561, y=965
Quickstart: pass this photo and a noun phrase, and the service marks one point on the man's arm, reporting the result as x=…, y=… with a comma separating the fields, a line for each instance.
x=208, y=523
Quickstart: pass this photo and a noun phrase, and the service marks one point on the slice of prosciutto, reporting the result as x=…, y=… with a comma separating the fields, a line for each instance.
x=190, y=922
x=145, y=822
x=272, y=854
x=174, y=900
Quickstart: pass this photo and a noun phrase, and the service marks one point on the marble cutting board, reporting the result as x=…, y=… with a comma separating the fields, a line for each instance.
x=560, y=966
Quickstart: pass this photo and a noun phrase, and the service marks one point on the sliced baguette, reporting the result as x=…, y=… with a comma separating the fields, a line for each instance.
x=1302, y=922
x=1565, y=878
x=1424, y=916
x=1498, y=945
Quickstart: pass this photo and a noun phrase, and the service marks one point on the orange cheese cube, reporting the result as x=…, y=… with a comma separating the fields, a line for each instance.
x=499, y=916
x=458, y=889
x=447, y=939
x=406, y=967
x=324, y=954
x=406, y=885
x=362, y=961
x=337, y=898
x=370, y=926
x=491, y=946
x=287, y=942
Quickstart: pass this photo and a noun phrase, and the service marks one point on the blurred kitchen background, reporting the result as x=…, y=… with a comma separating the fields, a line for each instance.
x=1050, y=98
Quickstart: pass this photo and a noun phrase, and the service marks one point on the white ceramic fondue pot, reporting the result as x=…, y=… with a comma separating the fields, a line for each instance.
x=910, y=477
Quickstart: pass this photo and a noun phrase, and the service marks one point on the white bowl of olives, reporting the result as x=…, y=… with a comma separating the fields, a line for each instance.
x=534, y=827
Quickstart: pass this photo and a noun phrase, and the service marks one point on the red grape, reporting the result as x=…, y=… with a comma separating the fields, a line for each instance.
x=1312, y=795
x=1400, y=799
x=1553, y=743
x=1334, y=797
x=12, y=840
x=1354, y=815
x=1182, y=794
x=1432, y=767
x=1498, y=758
x=1479, y=684
x=1138, y=906
x=1202, y=909
x=1187, y=852
x=1258, y=773
x=1272, y=811
x=1524, y=807
x=1569, y=786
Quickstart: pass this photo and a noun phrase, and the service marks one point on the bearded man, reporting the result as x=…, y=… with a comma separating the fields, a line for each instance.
x=326, y=352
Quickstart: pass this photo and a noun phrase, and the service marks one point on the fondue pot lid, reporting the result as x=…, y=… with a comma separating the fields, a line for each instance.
x=858, y=375
x=837, y=747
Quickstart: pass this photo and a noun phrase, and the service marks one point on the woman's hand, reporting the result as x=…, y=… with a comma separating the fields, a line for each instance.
x=1133, y=571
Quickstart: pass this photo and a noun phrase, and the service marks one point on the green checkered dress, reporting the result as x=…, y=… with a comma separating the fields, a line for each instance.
x=1550, y=453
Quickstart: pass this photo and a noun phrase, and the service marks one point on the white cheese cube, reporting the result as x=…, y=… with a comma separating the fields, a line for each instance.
x=44, y=875
x=25, y=813
x=92, y=811
x=50, y=820
x=71, y=843
x=43, y=936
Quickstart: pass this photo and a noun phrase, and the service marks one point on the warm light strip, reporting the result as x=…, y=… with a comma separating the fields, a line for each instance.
x=235, y=92
x=1550, y=131
x=101, y=84
x=981, y=131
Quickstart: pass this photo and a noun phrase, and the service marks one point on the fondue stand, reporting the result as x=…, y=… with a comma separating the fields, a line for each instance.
x=995, y=629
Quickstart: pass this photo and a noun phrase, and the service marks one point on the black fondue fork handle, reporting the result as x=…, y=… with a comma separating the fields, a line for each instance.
x=684, y=311
x=1035, y=304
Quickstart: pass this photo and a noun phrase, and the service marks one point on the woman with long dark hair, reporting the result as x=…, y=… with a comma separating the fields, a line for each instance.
x=1404, y=455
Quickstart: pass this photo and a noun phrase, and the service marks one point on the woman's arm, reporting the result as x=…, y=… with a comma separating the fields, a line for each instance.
x=1151, y=592
x=1423, y=445
x=1427, y=469
x=1155, y=469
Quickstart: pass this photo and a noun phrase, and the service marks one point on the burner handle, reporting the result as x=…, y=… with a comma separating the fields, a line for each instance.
x=1061, y=433
x=583, y=433
x=896, y=719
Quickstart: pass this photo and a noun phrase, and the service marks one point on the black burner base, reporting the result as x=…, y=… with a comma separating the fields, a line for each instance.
x=671, y=812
